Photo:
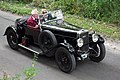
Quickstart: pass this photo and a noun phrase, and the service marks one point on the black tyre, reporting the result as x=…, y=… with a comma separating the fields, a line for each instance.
x=65, y=60
x=12, y=39
x=98, y=52
x=47, y=41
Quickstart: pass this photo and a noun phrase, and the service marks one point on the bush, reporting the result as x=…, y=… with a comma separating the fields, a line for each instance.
x=42, y=3
x=103, y=10
x=15, y=8
x=25, y=1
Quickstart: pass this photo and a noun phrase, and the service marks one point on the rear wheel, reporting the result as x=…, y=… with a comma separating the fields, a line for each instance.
x=98, y=52
x=12, y=39
x=65, y=60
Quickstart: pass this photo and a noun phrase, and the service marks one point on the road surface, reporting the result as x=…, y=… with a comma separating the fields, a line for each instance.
x=14, y=62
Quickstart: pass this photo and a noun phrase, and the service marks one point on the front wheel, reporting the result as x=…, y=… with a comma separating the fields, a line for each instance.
x=65, y=60
x=12, y=39
x=98, y=52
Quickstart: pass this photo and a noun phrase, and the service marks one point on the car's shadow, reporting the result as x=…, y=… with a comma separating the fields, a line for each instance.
x=85, y=70
x=49, y=61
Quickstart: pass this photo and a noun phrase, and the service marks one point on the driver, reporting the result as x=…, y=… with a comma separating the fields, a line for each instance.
x=34, y=20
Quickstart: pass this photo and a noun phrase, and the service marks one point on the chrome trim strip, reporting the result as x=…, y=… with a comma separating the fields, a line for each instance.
x=63, y=29
x=29, y=49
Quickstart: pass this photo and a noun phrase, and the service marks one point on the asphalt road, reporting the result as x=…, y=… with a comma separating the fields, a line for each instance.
x=14, y=62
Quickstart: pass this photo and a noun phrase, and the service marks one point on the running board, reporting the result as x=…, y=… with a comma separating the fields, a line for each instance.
x=41, y=53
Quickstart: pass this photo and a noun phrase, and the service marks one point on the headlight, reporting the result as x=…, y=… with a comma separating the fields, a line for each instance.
x=95, y=37
x=80, y=42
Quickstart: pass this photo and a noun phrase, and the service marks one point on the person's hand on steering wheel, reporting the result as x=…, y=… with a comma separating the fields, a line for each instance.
x=36, y=26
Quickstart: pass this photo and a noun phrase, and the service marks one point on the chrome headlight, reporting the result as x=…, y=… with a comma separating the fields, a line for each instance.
x=80, y=42
x=95, y=37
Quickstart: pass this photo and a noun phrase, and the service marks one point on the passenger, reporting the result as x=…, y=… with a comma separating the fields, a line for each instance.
x=44, y=11
x=46, y=15
x=34, y=20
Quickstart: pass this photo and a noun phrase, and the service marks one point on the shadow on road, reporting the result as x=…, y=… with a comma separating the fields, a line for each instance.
x=85, y=70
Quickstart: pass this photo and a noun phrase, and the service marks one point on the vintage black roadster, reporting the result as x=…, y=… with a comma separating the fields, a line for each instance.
x=57, y=38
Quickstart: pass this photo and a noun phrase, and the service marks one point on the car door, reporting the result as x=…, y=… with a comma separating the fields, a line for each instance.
x=33, y=33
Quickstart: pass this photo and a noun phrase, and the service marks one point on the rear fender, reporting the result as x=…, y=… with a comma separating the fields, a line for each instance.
x=67, y=46
x=8, y=28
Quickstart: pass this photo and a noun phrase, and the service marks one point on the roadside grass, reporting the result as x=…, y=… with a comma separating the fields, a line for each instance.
x=109, y=30
x=17, y=8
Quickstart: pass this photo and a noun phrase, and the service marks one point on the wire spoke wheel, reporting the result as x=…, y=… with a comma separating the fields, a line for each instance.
x=65, y=60
x=98, y=52
x=12, y=39
x=47, y=41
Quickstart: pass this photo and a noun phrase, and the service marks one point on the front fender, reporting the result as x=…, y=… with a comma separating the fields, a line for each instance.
x=67, y=46
x=8, y=28
x=101, y=39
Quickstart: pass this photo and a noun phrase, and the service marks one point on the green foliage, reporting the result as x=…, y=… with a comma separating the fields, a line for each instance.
x=108, y=30
x=42, y=3
x=15, y=8
x=29, y=72
x=16, y=77
x=105, y=10
x=25, y=1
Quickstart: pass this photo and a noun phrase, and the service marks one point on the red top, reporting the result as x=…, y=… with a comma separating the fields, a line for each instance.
x=31, y=22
